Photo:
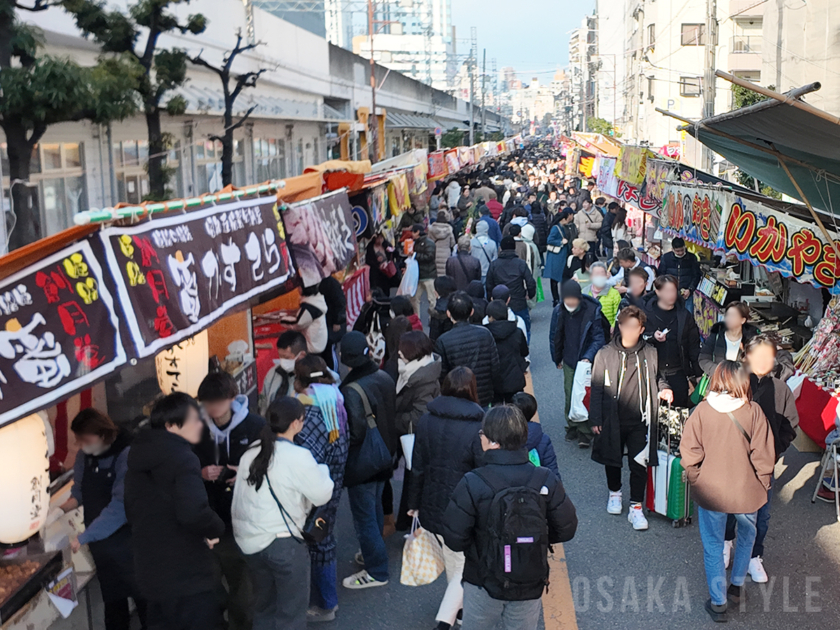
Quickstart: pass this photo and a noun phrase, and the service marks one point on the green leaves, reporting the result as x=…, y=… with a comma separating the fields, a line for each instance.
x=176, y=106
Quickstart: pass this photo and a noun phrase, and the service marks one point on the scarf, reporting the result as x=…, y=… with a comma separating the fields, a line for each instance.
x=328, y=398
x=407, y=370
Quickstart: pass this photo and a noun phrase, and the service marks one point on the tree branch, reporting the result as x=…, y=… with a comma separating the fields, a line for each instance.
x=39, y=5
x=249, y=80
x=199, y=61
x=242, y=120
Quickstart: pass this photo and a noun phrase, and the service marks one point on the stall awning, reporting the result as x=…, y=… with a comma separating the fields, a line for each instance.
x=396, y=120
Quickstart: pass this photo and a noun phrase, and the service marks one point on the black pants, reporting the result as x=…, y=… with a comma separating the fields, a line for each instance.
x=555, y=291
x=118, y=616
x=634, y=437
x=191, y=612
x=678, y=382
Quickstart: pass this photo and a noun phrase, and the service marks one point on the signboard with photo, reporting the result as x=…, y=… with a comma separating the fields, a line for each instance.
x=177, y=275
x=60, y=331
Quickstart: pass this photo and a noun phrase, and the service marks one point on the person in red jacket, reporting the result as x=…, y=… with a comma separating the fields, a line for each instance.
x=495, y=207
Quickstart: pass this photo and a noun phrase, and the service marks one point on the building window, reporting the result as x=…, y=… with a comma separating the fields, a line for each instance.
x=693, y=35
x=269, y=159
x=690, y=86
x=208, y=166
x=57, y=172
x=131, y=159
x=651, y=35
x=650, y=81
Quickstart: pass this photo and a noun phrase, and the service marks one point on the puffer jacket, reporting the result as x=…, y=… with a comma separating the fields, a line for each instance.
x=510, y=270
x=540, y=223
x=473, y=347
x=425, y=253
x=512, y=345
x=589, y=223
x=687, y=333
x=686, y=269
x=592, y=335
x=713, y=351
x=422, y=387
x=446, y=446
x=463, y=268
x=444, y=240
x=540, y=449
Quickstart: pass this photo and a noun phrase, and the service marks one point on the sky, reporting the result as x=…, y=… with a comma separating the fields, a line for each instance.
x=530, y=35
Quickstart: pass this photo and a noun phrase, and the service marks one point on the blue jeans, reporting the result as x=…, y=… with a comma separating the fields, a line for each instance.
x=482, y=611
x=525, y=314
x=280, y=574
x=762, y=524
x=712, y=532
x=689, y=303
x=368, y=519
x=323, y=590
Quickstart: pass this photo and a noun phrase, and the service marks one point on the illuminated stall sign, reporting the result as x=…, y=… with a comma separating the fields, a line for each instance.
x=60, y=331
x=693, y=213
x=177, y=275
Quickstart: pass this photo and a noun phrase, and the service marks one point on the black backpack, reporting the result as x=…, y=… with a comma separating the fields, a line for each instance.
x=514, y=553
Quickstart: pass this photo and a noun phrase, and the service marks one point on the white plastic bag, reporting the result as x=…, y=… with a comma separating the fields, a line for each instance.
x=407, y=442
x=583, y=379
x=422, y=560
x=410, y=279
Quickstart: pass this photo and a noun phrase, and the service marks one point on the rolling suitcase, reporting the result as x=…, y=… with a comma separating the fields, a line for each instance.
x=668, y=492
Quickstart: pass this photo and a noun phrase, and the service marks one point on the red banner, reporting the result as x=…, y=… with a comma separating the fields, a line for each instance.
x=437, y=165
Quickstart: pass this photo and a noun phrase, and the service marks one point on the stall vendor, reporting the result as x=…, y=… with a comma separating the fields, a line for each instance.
x=98, y=485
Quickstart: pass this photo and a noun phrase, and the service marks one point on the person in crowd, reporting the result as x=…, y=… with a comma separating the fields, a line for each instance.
x=446, y=446
x=310, y=320
x=520, y=218
x=605, y=234
x=612, y=265
x=779, y=406
x=325, y=435
x=99, y=473
x=380, y=257
x=280, y=380
x=453, y=192
x=469, y=346
x=396, y=328
x=636, y=295
x=483, y=248
x=576, y=334
x=540, y=223
x=278, y=483
x=728, y=437
x=401, y=305
x=479, y=301
x=557, y=253
x=684, y=266
x=425, y=253
x=367, y=387
x=588, y=221
x=465, y=201
x=674, y=333
x=623, y=411
x=581, y=276
x=494, y=232
x=462, y=267
x=619, y=230
x=435, y=201
x=574, y=262
x=173, y=527
x=511, y=344
x=727, y=339
x=229, y=428
x=336, y=316
x=513, y=272
x=458, y=223
x=606, y=295
x=539, y=447
x=502, y=294
x=586, y=192
x=527, y=250
x=628, y=260
x=495, y=209
x=439, y=321
x=471, y=526
x=410, y=217
x=443, y=237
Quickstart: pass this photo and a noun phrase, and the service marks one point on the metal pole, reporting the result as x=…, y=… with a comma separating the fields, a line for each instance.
x=709, y=75
x=615, y=97
x=483, y=84
x=113, y=178
x=472, y=99
x=373, y=149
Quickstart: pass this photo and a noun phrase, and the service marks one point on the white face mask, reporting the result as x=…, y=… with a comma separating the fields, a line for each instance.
x=287, y=365
x=599, y=282
x=679, y=255
x=569, y=308
x=94, y=449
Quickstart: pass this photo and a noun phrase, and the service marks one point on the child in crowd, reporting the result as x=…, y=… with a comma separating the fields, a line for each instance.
x=401, y=305
x=539, y=446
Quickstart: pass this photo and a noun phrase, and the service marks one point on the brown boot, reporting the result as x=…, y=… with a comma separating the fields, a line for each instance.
x=390, y=527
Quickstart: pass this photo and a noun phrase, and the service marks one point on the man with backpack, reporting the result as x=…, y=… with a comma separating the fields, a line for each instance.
x=505, y=516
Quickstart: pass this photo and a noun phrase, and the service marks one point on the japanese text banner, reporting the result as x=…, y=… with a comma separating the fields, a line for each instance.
x=176, y=275
x=60, y=331
x=694, y=213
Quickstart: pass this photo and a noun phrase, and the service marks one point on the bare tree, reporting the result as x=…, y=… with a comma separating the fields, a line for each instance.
x=239, y=83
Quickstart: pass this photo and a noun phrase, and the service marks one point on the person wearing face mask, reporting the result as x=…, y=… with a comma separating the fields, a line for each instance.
x=606, y=295
x=576, y=334
x=99, y=485
x=685, y=267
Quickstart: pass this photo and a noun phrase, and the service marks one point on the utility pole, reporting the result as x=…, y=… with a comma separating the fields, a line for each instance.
x=483, y=91
x=373, y=143
x=709, y=74
x=472, y=64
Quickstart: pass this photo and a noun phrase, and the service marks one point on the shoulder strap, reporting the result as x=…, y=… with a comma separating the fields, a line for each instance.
x=738, y=424
x=369, y=415
x=463, y=266
x=283, y=511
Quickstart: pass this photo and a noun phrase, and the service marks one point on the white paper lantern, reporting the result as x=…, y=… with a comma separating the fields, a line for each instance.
x=24, y=479
x=182, y=367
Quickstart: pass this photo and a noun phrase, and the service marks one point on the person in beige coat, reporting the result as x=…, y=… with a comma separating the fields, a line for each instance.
x=588, y=221
x=728, y=454
x=441, y=233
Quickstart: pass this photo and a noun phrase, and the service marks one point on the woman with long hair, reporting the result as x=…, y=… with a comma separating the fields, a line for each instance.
x=325, y=434
x=277, y=484
x=446, y=446
x=727, y=339
x=728, y=454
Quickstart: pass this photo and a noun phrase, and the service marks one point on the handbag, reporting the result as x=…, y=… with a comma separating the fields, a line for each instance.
x=701, y=390
x=315, y=529
x=388, y=268
x=422, y=560
x=373, y=456
x=376, y=340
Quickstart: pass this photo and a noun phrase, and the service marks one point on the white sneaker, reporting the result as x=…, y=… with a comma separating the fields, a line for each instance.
x=361, y=580
x=727, y=552
x=756, y=570
x=637, y=517
x=614, y=503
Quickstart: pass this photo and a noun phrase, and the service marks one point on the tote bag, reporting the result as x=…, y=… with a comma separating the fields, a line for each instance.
x=372, y=457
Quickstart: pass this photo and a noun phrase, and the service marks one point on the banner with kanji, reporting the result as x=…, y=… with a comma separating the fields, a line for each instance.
x=60, y=331
x=177, y=275
x=437, y=165
x=632, y=164
x=694, y=214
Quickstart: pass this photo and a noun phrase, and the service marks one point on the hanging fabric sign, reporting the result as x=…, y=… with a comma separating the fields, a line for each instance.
x=321, y=236
x=631, y=165
x=60, y=331
x=453, y=164
x=693, y=213
x=607, y=181
x=437, y=165
x=177, y=275
x=398, y=194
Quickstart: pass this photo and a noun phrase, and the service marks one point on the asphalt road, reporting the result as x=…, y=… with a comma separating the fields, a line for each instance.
x=622, y=578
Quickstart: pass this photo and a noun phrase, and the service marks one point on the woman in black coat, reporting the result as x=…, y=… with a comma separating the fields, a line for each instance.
x=446, y=446
x=727, y=339
x=511, y=344
x=380, y=257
